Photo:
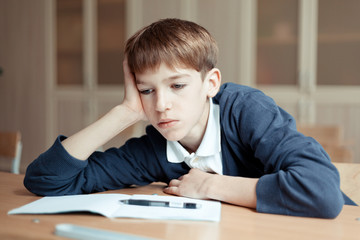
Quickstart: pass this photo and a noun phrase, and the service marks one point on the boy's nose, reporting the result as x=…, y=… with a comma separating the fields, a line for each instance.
x=162, y=102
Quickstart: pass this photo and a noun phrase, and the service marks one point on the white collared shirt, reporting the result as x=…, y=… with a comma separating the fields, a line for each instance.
x=208, y=156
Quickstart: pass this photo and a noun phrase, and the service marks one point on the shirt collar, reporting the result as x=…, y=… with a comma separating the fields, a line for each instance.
x=210, y=144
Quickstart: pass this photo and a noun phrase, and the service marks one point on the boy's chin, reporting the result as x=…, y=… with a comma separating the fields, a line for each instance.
x=173, y=139
x=172, y=136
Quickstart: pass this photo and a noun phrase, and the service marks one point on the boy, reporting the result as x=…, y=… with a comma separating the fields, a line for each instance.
x=232, y=143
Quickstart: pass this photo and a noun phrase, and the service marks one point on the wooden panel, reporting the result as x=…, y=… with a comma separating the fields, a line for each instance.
x=157, y=9
x=222, y=20
x=22, y=84
x=71, y=116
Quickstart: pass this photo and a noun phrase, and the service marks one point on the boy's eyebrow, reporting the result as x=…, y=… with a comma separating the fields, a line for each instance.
x=177, y=76
x=137, y=81
x=174, y=77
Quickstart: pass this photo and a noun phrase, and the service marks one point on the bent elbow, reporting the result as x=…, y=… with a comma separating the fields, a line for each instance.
x=330, y=205
x=32, y=186
x=331, y=212
x=41, y=185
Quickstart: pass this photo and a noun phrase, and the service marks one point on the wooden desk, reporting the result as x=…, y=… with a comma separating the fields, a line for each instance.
x=236, y=222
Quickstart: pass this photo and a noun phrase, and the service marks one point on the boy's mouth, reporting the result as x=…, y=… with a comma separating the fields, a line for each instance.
x=167, y=123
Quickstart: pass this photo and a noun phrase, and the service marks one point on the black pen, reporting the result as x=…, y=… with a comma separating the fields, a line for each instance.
x=152, y=203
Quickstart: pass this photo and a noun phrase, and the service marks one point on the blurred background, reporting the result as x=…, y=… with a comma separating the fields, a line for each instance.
x=61, y=62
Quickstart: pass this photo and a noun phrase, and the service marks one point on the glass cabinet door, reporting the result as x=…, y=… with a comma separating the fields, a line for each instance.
x=89, y=51
x=277, y=42
x=109, y=29
x=339, y=42
x=69, y=42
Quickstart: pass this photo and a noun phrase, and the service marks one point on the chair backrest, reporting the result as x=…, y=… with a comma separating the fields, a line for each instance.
x=331, y=137
x=340, y=154
x=350, y=180
x=326, y=135
x=11, y=148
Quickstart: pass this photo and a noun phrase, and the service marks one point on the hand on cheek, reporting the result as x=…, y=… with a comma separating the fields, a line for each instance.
x=195, y=184
x=132, y=99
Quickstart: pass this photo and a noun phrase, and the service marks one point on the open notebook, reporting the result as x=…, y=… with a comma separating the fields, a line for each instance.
x=110, y=205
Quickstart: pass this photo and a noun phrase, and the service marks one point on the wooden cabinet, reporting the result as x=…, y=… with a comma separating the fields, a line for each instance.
x=308, y=58
x=88, y=55
x=304, y=54
x=277, y=42
x=338, y=43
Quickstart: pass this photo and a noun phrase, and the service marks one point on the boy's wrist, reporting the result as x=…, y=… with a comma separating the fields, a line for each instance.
x=123, y=113
x=210, y=186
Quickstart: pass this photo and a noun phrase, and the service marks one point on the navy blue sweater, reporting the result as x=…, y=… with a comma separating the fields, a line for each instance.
x=258, y=140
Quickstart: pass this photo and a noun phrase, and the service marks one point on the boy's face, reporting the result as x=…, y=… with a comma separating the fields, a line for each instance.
x=175, y=102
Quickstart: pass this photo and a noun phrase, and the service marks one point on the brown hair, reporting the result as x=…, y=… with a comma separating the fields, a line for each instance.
x=178, y=43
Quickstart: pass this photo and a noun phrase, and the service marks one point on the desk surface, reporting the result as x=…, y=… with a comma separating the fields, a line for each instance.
x=236, y=222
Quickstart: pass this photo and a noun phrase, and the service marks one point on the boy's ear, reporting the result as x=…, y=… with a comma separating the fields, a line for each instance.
x=214, y=81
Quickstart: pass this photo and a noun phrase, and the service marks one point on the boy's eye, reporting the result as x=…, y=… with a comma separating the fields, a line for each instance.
x=146, y=91
x=178, y=86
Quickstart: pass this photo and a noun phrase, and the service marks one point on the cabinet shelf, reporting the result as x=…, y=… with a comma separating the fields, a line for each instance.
x=323, y=38
x=270, y=41
x=339, y=38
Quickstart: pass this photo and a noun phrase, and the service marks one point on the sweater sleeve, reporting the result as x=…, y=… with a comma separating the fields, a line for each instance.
x=298, y=177
x=56, y=172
